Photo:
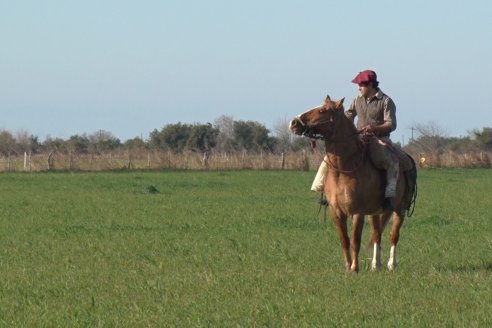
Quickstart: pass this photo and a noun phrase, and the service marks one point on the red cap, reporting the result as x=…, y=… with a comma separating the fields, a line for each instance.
x=365, y=76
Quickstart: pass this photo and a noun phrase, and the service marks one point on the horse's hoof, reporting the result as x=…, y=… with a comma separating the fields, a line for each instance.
x=391, y=266
x=375, y=267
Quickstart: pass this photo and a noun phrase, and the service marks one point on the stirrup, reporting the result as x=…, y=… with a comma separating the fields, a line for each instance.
x=323, y=201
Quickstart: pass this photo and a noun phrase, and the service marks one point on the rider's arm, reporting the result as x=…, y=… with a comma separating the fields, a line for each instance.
x=389, y=124
x=351, y=113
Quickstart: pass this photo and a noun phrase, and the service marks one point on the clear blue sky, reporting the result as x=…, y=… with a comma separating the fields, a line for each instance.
x=129, y=67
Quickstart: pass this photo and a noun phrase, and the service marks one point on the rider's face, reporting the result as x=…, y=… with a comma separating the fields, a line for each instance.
x=365, y=89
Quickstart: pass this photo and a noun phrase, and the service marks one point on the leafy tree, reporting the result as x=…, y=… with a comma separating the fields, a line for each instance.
x=155, y=140
x=7, y=142
x=202, y=137
x=135, y=143
x=78, y=144
x=58, y=144
x=25, y=142
x=484, y=138
x=172, y=136
x=34, y=144
x=102, y=141
x=464, y=144
x=300, y=143
x=251, y=136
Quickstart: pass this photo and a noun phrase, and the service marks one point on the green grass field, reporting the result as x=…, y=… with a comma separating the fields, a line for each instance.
x=233, y=248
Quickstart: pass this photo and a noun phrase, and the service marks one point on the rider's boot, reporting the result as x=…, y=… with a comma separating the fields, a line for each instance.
x=319, y=182
x=390, y=191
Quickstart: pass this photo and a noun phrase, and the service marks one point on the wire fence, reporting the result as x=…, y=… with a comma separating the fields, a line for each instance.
x=152, y=160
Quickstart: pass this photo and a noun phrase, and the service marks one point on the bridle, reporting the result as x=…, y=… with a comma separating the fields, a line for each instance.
x=308, y=132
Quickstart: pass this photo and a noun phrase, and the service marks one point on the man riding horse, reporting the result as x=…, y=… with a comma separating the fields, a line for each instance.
x=360, y=174
x=376, y=118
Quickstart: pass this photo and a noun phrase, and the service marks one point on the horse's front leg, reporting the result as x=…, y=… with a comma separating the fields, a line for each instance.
x=340, y=222
x=357, y=225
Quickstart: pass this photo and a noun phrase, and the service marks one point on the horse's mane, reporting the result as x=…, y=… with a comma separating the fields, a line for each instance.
x=346, y=121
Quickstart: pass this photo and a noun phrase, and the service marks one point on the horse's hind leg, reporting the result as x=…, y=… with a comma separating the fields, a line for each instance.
x=394, y=237
x=376, y=230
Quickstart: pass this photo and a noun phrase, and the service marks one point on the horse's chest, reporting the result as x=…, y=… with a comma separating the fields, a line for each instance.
x=351, y=195
x=342, y=192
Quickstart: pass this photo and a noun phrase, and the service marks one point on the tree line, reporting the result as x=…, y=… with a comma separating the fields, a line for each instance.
x=226, y=135
x=432, y=139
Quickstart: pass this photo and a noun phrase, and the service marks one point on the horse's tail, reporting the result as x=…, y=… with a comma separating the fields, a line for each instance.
x=412, y=187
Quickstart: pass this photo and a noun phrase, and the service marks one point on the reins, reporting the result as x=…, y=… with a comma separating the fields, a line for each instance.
x=335, y=142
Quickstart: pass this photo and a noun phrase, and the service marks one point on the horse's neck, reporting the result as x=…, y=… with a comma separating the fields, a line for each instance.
x=346, y=147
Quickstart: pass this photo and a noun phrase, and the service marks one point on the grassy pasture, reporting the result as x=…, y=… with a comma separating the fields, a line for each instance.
x=233, y=248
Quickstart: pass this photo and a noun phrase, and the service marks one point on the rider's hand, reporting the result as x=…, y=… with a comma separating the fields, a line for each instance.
x=369, y=129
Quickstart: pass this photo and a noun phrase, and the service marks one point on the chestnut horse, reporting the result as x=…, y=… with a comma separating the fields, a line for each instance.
x=354, y=187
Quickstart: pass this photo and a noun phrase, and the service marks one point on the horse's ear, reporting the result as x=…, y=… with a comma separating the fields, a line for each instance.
x=339, y=103
x=327, y=98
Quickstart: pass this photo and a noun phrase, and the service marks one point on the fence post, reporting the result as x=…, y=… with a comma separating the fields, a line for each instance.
x=282, y=163
x=70, y=161
x=129, y=164
x=50, y=160
x=226, y=160
x=305, y=160
x=205, y=159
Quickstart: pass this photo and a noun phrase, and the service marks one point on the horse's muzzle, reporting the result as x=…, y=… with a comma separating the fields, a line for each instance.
x=296, y=126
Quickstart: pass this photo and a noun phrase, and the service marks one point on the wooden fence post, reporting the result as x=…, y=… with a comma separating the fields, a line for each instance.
x=205, y=159
x=70, y=161
x=305, y=160
x=50, y=160
x=129, y=163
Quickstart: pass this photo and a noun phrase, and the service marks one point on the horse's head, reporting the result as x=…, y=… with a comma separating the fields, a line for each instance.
x=318, y=122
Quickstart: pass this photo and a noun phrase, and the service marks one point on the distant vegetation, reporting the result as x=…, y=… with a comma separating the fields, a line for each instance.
x=225, y=135
x=430, y=146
